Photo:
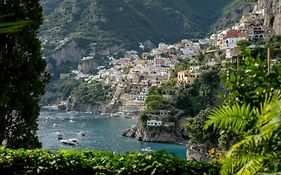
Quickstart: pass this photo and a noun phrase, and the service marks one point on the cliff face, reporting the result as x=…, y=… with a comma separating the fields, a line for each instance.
x=175, y=134
x=272, y=15
x=152, y=134
x=232, y=16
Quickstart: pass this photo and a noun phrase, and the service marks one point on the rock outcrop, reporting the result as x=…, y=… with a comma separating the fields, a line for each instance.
x=272, y=15
x=69, y=52
x=166, y=134
x=198, y=152
x=152, y=134
x=87, y=66
x=232, y=17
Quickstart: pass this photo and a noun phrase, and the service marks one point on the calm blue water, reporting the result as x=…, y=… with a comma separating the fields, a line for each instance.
x=101, y=133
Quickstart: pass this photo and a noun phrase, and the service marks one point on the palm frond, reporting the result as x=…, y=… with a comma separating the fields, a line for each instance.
x=11, y=27
x=239, y=155
x=242, y=164
x=252, y=167
x=259, y=150
x=231, y=118
x=266, y=110
x=271, y=122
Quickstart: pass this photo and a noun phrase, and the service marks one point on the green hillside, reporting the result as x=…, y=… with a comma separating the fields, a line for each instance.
x=130, y=20
x=103, y=27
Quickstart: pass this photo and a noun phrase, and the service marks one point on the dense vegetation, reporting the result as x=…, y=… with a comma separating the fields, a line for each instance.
x=91, y=162
x=59, y=90
x=191, y=98
x=132, y=21
x=22, y=74
x=250, y=118
x=93, y=92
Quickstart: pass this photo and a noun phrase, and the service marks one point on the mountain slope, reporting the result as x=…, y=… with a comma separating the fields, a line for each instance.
x=104, y=27
x=233, y=12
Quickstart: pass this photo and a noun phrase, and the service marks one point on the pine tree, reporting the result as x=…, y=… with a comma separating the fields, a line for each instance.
x=22, y=76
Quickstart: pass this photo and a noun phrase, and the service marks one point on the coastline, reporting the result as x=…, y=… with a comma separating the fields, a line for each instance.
x=98, y=131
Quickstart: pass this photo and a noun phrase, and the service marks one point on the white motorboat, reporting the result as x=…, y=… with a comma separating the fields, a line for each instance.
x=147, y=149
x=71, y=142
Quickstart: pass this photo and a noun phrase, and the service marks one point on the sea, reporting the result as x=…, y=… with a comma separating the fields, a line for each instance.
x=101, y=133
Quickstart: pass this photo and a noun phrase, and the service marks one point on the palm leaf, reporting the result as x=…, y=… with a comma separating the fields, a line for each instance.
x=247, y=163
x=231, y=118
x=259, y=149
x=12, y=27
x=252, y=166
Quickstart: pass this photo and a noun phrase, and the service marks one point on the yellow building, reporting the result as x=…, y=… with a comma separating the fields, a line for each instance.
x=187, y=76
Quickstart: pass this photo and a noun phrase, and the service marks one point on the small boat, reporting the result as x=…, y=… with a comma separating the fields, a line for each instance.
x=82, y=133
x=54, y=125
x=71, y=142
x=71, y=121
x=148, y=149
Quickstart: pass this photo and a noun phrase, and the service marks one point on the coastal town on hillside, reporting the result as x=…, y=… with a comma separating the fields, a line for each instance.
x=132, y=75
x=140, y=87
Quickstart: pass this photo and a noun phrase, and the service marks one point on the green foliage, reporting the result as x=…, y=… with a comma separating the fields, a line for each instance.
x=93, y=92
x=144, y=117
x=12, y=27
x=22, y=74
x=155, y=102
x=154, y=105
x=251, y=83
x=243, y=43
x=200, y=57
x=150, y=57
x=275, y=42
x=168, y=88
x=259, y=149
x=250, y=119
x=195, y=128
x=184, y=65
x=153, y=90
x=199, y=95
x=275, y=47
x=59, y=90
x=90, y=162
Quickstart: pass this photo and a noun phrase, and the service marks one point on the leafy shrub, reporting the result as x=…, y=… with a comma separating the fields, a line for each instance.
x=90, y=162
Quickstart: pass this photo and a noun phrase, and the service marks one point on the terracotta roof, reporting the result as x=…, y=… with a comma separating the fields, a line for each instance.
x=231, y=34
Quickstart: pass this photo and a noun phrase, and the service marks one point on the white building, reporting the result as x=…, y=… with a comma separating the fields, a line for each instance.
x=154, y=123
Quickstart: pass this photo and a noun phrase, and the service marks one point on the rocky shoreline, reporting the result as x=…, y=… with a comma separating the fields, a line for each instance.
x=154, y=135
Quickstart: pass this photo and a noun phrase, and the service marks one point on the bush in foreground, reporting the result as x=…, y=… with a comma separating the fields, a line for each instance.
x=90, y=162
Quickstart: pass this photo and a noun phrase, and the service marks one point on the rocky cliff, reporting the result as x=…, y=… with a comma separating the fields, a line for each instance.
x=153, y=134
x=272, y=15
x=233, y=13
x=174, y=134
